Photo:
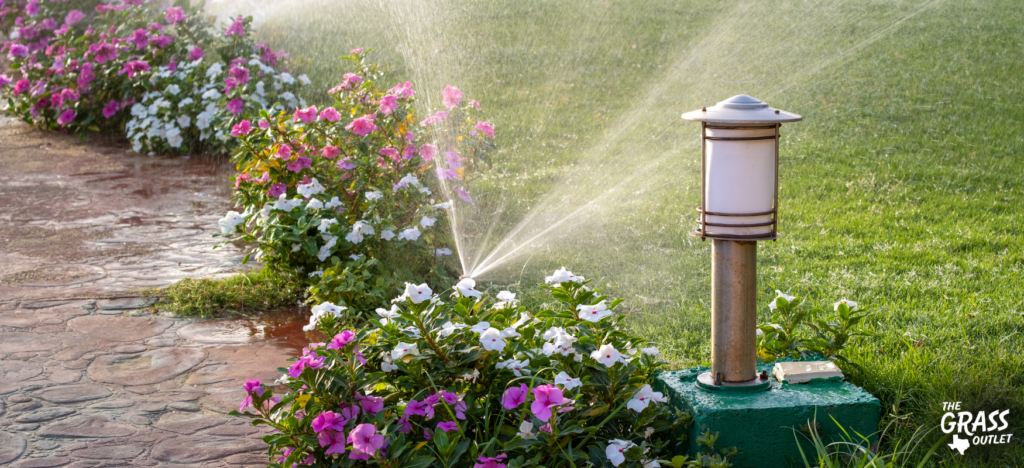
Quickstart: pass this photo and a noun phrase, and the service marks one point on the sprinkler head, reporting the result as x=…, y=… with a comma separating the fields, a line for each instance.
x=464, y=277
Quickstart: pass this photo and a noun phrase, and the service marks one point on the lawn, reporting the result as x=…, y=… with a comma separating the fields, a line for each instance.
x=901, y=189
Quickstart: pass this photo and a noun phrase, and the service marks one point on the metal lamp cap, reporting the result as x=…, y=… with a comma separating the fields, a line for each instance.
x=742, y=110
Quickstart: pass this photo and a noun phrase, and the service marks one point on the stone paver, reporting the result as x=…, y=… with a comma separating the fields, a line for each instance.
x=89, y=375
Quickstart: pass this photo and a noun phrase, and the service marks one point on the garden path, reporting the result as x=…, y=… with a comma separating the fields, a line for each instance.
x=87, y=376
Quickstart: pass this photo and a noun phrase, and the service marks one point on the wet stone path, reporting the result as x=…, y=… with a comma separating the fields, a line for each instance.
x=88, y=376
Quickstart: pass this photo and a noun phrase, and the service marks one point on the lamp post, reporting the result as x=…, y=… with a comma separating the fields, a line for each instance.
x=739, y=206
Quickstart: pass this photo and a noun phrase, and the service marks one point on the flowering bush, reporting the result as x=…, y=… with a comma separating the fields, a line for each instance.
x=472, y=382
x=83, y=64
x=798, y=331
x=352, y=194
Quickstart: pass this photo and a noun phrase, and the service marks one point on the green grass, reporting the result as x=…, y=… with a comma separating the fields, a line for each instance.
x=242, y=294
x=901, y=189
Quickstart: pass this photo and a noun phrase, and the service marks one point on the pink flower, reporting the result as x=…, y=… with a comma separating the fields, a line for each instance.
x=237, y=28
x=345, y=165
x=330, y=152
x=452, y=97
x=362, y=126
x=284, y=152
x=111, y=108
x=454, y=160
x=86, y=75
x=341, y=339
x=299, y=164
x=66, y=117
x=103, y=52
x=388, y=104
x=133, y=67
x=328, y=420
x=162, y=41
x=17, y=50
x=463, y=194
x=494, y=462
x=307, y=115
x=390, y=152
x=427, y=152
x=32, y=8
x=4, y=80
x=515, y=396
x=371, y=404
x=21, y=86
x=448, y=426
x=436, y=118
x=330, y=114
x=242, y=128
x=404, y=425
x=357, y=50
x=235, y=106
x=546, y=397
x=475, y=104
x=174, y=15
x=240, y=74
x=195, y=54
x=417, y=408
x=409, y=151
x=403, y=90
x=264, y=124
x=334, y=441
x=141, y=38
x=365, y=439
x=486, y=128
x=276, y=190
x=73, y=17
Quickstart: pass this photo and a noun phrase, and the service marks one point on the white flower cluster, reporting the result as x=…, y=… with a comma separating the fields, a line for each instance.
x=188, y=103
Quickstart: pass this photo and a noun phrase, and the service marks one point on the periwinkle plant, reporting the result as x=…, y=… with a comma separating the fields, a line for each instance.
x=470, y=381
x=797, y=330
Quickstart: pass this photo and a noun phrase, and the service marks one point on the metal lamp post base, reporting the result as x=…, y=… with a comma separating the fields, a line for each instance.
x=707, y=382
x=733, y=311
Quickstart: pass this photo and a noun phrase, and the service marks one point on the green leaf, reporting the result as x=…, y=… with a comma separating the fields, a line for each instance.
x=418, y=462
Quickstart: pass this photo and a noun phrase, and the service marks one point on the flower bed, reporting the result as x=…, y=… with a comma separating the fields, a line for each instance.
x=471, y=382
x=162, y=75
x=354, y=195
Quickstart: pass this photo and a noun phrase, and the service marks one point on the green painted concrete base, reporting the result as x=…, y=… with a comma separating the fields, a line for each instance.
x=760, y=425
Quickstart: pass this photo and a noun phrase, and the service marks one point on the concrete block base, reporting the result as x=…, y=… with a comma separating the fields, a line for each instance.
x=761, y=424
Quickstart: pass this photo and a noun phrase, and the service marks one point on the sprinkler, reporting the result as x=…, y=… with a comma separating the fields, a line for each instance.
x=739, y=206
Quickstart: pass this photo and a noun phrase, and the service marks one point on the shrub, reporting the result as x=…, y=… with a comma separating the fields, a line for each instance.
x=354, y=194
x=799, y=331
x=471, y=382
x=136, y=66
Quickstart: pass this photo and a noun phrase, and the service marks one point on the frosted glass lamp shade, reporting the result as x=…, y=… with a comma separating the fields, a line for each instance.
x=740, y=180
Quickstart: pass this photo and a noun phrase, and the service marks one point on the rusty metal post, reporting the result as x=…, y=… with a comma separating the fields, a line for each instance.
x=733, y=310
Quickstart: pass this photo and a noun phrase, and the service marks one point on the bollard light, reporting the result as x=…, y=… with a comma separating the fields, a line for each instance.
x=739, y=206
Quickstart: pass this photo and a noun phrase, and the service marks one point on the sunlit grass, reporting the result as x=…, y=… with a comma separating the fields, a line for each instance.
x=243, y=294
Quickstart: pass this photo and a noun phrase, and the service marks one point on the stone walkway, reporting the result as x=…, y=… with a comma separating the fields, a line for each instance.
x=87, y=376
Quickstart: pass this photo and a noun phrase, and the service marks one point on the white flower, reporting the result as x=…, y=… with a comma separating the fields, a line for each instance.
x=409, y=179
x=184, y=121
x=387, y=366
x=480, y=327
x=261, y=89
x=374, y=195
x=203, y=120
x=319, y=273
x=448, y=328
x=359, y=229
x=643, y=398
x=648, y=432
x=607, y=355
x=510, y=332
x=781, y=294
x=212, y=94
x=286, y=78
x=652, y=464
x=517, y=367
x=314, y=204
x=388, y=315
x=852, y=305
x=173, y=89
x=471, y=377
x=415, y=332
x=563, y=276
x=442, y=252
x=304, y=79
x=404, y=349
x=310, y=189
x=287, y=96
x=230, y=221
x=427, y=221
x=508, y=300
x=325, y=224
x=443, y=206
x=214, y=70
x=325, y=250
x=416, y=293
x=387, y=234
x=616, y=451
x=652, y=351
x=424, y=190
x=284, y=204
x=465, y=288
x=411, y=234
x=185, y=102
x=321, y=310
x=593, y=313
x=525, y=431
x=491, y=340
x=356, y=257
x=334, y=203
x=174, y=138
x=566, y=381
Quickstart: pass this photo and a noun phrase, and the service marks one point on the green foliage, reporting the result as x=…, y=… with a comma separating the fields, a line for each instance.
x=796, y=330
x=857, y=450
x=241, y=294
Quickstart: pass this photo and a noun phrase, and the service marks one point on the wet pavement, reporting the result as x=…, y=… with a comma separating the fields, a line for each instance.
x=88, y=376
